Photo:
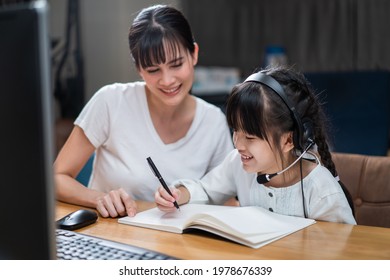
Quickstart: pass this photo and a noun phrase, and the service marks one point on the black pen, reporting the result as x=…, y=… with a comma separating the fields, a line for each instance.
x=160, y=178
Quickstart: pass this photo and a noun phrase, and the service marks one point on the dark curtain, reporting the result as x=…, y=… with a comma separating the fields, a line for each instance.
x=373, y=40
x=327, y=35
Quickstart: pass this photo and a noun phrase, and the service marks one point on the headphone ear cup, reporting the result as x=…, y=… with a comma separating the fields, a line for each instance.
x=308, y=133
x=302, y=139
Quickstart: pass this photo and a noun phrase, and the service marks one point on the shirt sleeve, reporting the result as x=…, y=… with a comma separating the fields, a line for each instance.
x=328, y=202
x=215, y=187
x=333, y=208
x=95, y=117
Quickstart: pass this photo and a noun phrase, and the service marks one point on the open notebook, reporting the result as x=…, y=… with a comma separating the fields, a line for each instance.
x=251, y=226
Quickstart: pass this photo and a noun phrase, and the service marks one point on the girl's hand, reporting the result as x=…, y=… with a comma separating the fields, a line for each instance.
x=165, y=201
x=116, y=203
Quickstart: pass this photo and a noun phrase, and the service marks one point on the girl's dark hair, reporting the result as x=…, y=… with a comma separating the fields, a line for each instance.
x=156, y=30
x=257, y=110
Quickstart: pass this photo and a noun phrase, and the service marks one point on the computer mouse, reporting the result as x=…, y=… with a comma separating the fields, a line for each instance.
x=77, y=219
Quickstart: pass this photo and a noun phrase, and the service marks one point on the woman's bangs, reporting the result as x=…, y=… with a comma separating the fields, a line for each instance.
x=151, y=49
x=158, y=49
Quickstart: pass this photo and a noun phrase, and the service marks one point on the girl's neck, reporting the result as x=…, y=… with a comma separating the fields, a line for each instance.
x=292, y=175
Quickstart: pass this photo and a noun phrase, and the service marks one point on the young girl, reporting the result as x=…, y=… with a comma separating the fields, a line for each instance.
x=124, y=123
x=279, y=128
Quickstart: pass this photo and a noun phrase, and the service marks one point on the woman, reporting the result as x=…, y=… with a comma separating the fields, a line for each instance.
x=123, y=124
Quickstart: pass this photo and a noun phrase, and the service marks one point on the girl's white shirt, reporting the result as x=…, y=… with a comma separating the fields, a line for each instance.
x=324, y=198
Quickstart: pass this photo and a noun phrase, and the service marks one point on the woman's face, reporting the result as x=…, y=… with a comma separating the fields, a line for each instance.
x=256, y=154
x=170, y=82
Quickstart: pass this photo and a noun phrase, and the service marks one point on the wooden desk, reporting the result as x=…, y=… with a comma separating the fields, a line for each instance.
x=320, y=241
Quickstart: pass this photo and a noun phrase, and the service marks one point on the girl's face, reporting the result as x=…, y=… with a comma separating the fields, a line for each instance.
x=256, y=154
x=170, y=83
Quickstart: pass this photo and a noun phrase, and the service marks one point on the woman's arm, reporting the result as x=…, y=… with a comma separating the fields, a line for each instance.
x=70, y=160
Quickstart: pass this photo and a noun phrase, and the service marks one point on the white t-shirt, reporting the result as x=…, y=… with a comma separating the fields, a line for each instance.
x=324, y=197
x=117, y=122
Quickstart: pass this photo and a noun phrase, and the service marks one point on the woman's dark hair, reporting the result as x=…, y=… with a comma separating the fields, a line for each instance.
x=257, y=110
x=156, y=30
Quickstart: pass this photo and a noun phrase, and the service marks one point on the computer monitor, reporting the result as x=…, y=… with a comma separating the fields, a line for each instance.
x=27, y=229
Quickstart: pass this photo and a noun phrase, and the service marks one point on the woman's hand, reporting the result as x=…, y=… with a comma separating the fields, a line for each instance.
x=165, y=201
x=116, y=203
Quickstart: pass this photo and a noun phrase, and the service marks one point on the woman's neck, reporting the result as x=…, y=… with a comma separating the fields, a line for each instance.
x=168, y=112
x=171, y=122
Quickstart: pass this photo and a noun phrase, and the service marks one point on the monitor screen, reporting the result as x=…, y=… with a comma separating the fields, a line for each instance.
x=26, y=157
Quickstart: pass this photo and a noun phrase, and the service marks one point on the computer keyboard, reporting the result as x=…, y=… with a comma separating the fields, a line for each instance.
x=77, y=246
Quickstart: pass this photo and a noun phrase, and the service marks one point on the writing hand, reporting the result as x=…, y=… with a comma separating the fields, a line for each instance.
x=165, y=201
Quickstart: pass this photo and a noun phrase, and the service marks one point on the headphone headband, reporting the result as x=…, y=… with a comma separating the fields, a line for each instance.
x=270, y=82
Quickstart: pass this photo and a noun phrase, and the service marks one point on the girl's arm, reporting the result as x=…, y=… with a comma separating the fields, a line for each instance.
x=216, y=187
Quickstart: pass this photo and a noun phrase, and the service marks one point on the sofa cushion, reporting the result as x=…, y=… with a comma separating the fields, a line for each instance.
x=368, y=180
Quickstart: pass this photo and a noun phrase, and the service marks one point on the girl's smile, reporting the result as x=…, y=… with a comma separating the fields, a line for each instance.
x=245, y=158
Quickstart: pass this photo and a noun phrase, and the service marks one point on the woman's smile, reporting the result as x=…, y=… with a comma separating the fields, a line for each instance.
x=171, y=91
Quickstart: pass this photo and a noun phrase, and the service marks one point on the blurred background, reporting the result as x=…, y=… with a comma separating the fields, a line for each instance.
x=328, y=35
x=341, y=45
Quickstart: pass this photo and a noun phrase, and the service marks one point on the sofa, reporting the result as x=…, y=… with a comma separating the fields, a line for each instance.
x=367, y=178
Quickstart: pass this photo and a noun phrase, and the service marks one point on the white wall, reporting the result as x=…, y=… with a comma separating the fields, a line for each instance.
x=104, y=27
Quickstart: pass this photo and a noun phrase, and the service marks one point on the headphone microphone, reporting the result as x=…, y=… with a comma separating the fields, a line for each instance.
x=265, y=178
